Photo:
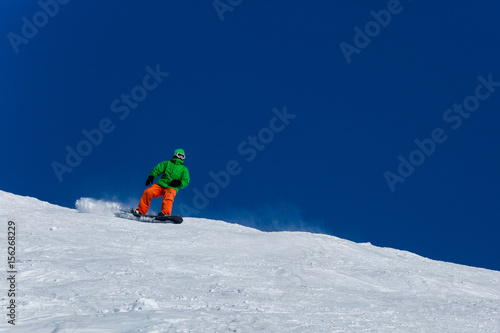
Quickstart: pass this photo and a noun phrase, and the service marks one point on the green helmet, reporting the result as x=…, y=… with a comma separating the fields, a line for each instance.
x=179, y=153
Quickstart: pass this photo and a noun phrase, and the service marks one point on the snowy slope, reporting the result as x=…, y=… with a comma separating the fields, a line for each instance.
x=82, y=272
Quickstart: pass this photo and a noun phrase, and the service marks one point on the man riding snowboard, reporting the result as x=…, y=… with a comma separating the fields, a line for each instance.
x=174, y=177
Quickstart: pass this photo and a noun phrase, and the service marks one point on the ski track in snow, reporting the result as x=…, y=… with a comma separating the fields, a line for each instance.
x=83, y=272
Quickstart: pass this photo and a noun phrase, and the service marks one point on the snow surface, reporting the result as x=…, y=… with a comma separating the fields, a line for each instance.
x=88, y=272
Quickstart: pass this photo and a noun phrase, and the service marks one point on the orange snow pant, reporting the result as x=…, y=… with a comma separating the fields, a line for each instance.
x=155, y=191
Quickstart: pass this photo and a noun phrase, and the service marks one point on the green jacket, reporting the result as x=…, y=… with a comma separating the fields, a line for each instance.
x=173, y=169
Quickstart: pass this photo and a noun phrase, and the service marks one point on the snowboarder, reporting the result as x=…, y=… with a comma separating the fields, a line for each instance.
x=174, y=177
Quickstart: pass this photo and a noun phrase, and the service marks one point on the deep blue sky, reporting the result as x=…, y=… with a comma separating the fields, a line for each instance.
x=323, y=170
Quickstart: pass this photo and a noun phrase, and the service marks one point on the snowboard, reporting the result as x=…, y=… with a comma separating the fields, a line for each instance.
x=176, y=219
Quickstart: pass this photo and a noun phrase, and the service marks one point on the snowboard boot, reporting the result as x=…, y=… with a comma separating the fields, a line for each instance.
x=135, y=212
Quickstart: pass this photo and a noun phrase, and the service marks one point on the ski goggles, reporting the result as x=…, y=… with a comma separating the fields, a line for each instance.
x=180, y=156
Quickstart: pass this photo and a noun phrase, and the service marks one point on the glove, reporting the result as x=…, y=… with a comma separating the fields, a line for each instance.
x=175, y=183
x=150, y=180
